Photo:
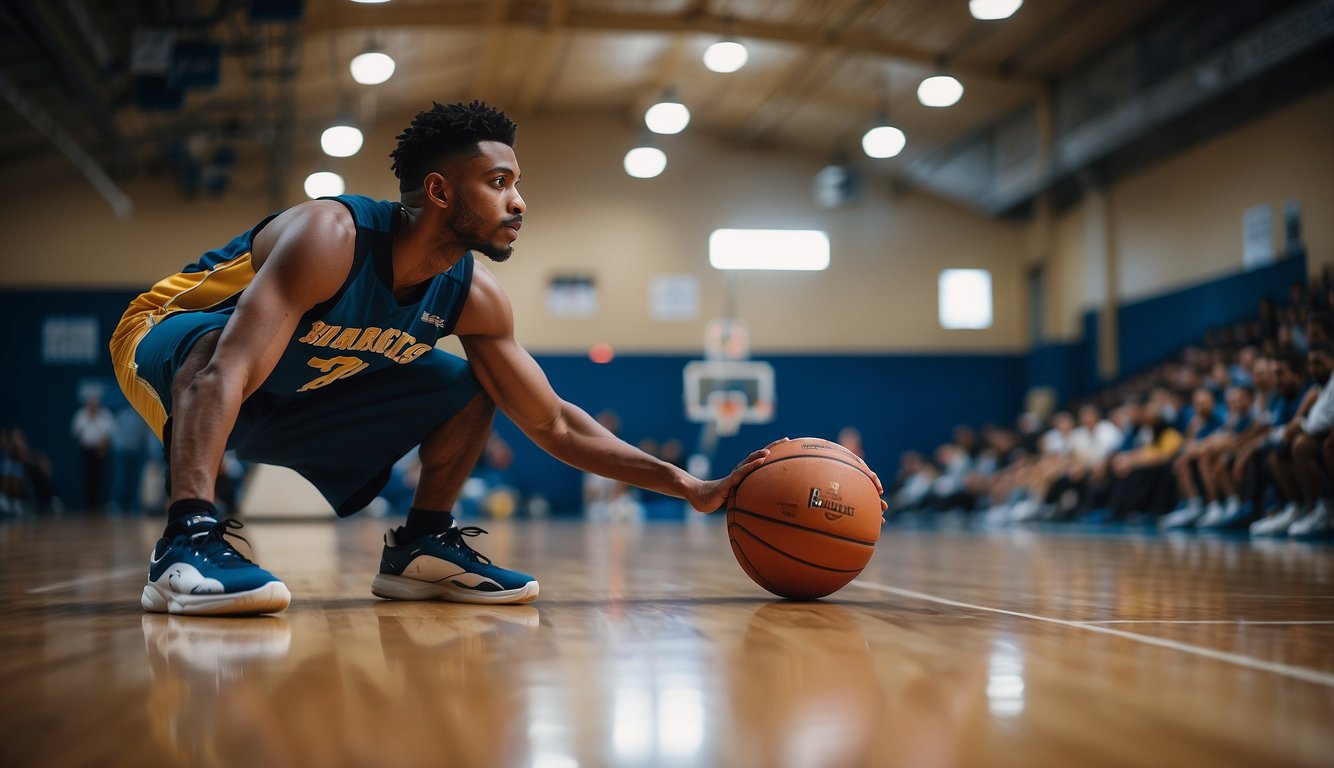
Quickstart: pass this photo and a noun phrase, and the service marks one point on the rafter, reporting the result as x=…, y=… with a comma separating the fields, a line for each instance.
x=493, y=33
x=426, y=16
x=548, y=58
x=822, y=58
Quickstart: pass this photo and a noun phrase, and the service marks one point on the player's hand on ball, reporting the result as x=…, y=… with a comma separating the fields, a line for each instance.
x=712, y=493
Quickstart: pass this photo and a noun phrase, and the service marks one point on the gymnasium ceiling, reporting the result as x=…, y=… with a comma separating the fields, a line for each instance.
x=819, y=71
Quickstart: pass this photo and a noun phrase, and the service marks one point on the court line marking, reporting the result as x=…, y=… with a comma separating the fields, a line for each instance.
x=1286, y=670
x=119, y=573
x=1201, y=621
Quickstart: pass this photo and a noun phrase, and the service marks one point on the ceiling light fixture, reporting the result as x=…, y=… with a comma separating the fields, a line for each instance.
x=372, y=67
x=324, y=184
x=993, y=10
x=668, y=116
x=342, y=139
x=726, y=56
x=883, y=140
x=940, y=91
x=645, y=161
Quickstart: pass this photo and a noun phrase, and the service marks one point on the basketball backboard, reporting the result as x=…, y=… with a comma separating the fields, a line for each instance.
x=728, y=393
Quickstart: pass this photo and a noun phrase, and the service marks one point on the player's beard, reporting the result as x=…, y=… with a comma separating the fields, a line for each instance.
x=466, y=226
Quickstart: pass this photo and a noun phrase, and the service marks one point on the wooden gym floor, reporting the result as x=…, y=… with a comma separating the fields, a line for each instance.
x=649, y=646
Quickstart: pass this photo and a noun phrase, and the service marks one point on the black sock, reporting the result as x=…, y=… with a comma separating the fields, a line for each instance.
x=180, y=512
x=425, y=522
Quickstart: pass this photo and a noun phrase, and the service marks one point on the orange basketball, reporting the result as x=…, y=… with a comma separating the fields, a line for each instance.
x=806, y=521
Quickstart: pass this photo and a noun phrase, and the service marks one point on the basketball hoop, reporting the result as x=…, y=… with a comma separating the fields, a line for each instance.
x=728, y=408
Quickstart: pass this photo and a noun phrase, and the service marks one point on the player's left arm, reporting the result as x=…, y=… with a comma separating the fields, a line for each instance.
x=519, y=388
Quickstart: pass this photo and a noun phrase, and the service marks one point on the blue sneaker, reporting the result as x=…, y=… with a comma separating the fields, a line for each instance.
x=443, y=567
x=199, y=572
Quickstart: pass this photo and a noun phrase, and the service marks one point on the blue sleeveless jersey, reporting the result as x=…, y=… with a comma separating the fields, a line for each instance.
x=361, y=329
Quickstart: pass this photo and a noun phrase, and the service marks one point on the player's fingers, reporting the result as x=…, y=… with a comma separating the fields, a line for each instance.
x=755, y=458
x=777, y=442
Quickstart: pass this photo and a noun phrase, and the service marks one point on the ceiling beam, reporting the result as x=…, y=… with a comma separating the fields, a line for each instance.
x=839, y=36
x=81, y=158
x=375, y=16
x=489, y=62
x=547, y=60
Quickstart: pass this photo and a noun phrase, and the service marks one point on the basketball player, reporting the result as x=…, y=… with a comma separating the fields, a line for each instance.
x=308, y=342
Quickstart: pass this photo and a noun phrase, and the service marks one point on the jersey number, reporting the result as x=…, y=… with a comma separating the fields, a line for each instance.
x=334, y=369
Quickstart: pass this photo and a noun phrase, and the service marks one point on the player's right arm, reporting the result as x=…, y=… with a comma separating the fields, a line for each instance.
x=301, y=259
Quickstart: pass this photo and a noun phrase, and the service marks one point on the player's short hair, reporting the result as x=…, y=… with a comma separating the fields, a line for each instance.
x=444, y=131
x=1321, y=348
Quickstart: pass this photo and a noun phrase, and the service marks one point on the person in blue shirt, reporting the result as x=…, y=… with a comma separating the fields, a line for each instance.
x=309, y=342
x=1253, y=470
x=1205, y=421
x=1298, y=461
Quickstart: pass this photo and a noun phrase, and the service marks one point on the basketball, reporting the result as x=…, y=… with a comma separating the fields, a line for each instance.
x=804, y=523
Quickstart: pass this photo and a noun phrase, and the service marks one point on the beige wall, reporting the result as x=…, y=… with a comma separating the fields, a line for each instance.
x=1180, y=222
x=585, y=215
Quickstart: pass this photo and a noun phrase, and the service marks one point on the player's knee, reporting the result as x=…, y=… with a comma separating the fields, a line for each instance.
x=482, y=406
x=1304, y=445
x=195, y=361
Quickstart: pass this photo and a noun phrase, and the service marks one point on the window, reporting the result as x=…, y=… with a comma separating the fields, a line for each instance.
x=795, y=249
x=965, y=299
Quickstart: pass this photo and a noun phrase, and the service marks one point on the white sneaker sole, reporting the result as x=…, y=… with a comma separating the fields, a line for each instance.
x=392, y=587
x=270, y=598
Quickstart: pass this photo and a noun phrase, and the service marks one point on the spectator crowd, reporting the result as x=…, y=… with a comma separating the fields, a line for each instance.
x=1234, y=433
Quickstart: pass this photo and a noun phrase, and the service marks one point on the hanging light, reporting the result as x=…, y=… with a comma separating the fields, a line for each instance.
x=993, y=10
x=324, y=184
x=645, y=161
x=341, y=140
x=725, y=56
x=883, y=141
x=940, y=91
x=372, y=67
x=667, y=116
x=370, y=2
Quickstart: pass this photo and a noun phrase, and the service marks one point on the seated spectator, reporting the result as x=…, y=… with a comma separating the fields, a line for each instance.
x=607, y=499
x=1142, y=483
x=1095, y=438
x=1253, y=469
x=949, y=491
x=1197, y=466
x=913, y=483
x=26, y=483
x=1053, y=463
x=1091, y=443
x=1240, y=371
x=1298, y=461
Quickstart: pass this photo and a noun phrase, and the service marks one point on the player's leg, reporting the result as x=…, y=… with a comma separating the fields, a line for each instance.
x=447, y=457
x=194, y=569
x=1255, y=470
x=1305, y=469
x=1308, y=456
x=345, y=439
x=1191, y=507
x=428, y=559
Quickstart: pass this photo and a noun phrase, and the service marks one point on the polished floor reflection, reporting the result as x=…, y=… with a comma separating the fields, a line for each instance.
x=650, y=647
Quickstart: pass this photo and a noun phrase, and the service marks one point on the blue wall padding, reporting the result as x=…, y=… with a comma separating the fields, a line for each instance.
x=1155, y=328
x=1061, y=366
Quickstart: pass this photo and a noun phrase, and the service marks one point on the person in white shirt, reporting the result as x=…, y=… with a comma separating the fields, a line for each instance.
x=1095, y=438
x=92, y=427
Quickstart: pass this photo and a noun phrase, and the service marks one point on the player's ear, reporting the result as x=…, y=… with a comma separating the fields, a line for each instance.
x=437, y=189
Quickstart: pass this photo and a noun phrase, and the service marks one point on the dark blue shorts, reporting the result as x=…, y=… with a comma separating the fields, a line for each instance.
x=344, y=437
